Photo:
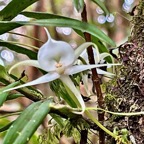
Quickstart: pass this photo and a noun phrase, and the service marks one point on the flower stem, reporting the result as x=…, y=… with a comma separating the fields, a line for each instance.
x=99, y=124
x=95, y=78
x=77, y=98
x=116, y=113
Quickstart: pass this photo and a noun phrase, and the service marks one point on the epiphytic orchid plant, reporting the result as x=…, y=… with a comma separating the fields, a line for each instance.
x=58, y=58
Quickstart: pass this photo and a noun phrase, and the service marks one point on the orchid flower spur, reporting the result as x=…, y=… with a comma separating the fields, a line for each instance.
x=57, y=59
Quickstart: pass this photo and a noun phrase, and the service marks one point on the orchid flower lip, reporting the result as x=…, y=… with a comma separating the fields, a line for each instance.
x=54, y=53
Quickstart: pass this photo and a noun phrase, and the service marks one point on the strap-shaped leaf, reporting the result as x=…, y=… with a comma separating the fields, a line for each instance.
x=14, y=8
x=46, y=19
x=28, y=92
x=19, y=49
x=3, y=73
x=3, y=95
x=27, y=123
x=6, y=127
x=6, y=26
x=14, y=96
x=79, y=4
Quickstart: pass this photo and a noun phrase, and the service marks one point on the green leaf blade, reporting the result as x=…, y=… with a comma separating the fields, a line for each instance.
x=14, y=8
x=27, y=123
x=6, y=26
x=6, y=127
x=79, y=5
x=46, y=19
x=19, y=49
x=4, y=95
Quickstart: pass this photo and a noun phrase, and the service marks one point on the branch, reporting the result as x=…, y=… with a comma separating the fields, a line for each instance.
x=95, y=78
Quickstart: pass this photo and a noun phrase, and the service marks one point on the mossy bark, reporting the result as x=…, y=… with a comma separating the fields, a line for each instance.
x=127, y=92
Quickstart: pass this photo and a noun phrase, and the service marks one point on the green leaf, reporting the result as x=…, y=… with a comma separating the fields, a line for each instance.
x=101, y=5
x=6, y=26
x=14, y=8
x=79, y=5
x=14, y=96
x=19, y=49
x=27, y=123
x=3, y=73
x=28, y=92
x=58, y=119
x=46, y=19
x=6, y=127
x=3, y=95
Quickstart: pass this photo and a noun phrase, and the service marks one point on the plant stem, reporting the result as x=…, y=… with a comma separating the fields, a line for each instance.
x=95, y=78
x=100, y=125
x=84, y=136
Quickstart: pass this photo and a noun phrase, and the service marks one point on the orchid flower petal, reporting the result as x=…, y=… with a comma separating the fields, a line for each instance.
x=102, y=72
x=43, y=79
x=79, y=68
x=85, y=81
x=27, y=63
x=81, y=48
x=96, y=53
x=53, y=52
x=104, y=55
x=78, y=98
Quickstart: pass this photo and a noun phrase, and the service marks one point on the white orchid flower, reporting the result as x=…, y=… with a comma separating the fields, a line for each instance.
x=57, y=59
x=99, y=59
